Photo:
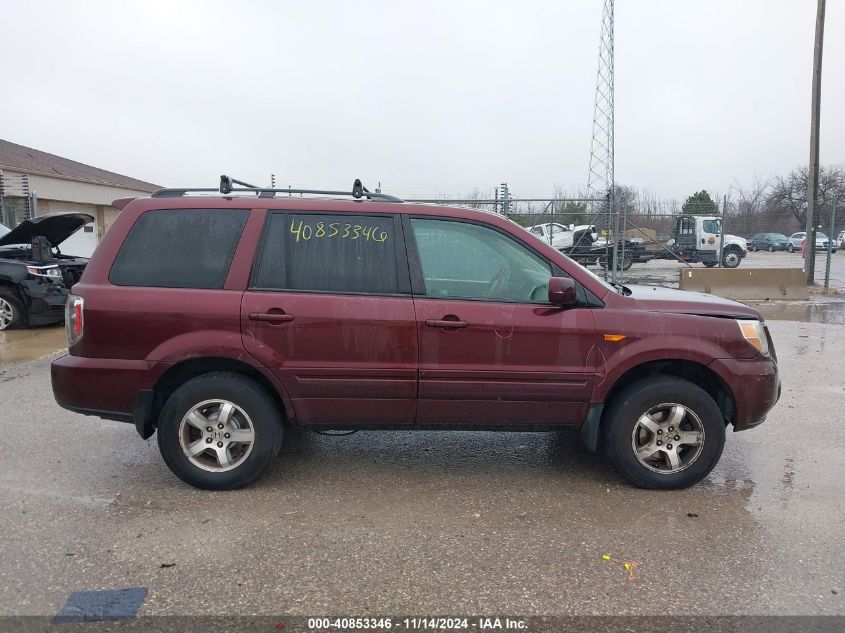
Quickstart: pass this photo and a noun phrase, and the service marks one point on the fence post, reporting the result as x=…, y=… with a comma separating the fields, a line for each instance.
x=722, y=227
x=830, y=239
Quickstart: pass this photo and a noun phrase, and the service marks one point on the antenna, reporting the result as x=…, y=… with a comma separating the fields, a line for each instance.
x=600, y=180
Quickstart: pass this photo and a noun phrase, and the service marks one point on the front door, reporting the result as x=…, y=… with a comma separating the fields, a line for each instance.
x=493, y=350
x=329, y=311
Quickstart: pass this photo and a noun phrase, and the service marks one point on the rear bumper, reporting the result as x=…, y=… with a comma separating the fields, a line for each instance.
x=107, y=388
x=756, y=388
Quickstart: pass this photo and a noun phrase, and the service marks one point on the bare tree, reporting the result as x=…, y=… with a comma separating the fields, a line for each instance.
x=789, y=194
x=747, y=205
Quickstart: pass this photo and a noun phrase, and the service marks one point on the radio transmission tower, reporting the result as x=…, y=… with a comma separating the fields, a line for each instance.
x=600, y=180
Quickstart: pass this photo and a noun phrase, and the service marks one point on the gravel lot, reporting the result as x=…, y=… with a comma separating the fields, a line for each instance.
x=431, y=523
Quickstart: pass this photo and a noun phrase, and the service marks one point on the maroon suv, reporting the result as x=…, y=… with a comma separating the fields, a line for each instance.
x=219, y=320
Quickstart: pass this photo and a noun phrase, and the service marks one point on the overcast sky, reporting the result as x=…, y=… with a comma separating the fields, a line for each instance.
x=426, y=97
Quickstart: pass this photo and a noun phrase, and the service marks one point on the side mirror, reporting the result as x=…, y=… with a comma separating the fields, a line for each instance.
x=562, y=291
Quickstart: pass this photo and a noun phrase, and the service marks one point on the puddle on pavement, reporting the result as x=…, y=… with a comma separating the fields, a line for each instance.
x=832, y=313
x=22, y=345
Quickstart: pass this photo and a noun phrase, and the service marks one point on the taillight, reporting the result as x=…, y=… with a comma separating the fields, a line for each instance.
x=74, y=318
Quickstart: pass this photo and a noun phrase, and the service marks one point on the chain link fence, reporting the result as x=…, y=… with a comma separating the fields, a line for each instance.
x=653, y=242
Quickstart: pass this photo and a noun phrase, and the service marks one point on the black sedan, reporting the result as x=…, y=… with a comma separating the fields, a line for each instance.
x=768, y=242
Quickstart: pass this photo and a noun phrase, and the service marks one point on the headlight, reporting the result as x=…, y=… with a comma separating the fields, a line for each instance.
x=51, y=272
x=752, y=331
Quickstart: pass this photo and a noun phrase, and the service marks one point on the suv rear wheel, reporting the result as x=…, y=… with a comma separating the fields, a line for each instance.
x=219, y=431
x=12, y=313
x=663, y=433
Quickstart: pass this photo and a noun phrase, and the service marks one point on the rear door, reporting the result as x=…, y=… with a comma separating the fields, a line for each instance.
x=329, y=311
x=492, y=349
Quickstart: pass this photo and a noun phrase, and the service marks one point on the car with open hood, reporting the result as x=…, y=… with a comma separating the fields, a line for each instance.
x=220, y=322
x=35, y=276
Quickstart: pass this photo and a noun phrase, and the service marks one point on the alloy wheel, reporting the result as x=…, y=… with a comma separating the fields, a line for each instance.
x=216, y=435
x=668, y=438
x=7, y=314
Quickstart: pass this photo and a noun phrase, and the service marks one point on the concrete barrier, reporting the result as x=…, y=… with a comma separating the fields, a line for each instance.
x=746, y=283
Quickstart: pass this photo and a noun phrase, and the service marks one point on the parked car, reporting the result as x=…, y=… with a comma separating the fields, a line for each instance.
x=841, y=239
x=218, y=322
x=768, y=242
x=821, y=242
x=34, y=275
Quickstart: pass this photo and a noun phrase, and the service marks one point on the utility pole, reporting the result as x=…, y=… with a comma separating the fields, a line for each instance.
x=813, y=176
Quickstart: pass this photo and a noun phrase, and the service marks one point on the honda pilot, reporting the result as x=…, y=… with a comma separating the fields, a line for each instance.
x=219, y=322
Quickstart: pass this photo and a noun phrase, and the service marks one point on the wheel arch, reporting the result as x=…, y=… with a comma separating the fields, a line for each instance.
x=183, y=371
x=692, y=371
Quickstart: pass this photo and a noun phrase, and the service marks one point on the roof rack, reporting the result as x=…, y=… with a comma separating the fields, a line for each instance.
x=227, y=186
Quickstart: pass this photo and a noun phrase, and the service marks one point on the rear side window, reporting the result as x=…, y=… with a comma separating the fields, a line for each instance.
x=329, y=253
x=179, y=249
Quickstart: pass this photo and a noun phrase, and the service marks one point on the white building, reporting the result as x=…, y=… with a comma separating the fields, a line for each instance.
x=62, y=185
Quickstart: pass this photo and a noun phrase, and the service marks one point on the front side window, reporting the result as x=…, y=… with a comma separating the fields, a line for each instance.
x=711, y=226
x=190, y=248
x=329, y=253
x=467, y=261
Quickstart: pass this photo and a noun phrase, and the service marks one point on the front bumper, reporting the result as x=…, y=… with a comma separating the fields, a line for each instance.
x=46, y=300
x=756, y=388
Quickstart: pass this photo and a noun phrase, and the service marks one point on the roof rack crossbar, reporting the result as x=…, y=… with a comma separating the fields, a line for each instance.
x=227, y=188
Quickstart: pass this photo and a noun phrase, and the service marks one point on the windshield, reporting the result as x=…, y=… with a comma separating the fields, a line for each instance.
x=778, y=236
x=4, y=229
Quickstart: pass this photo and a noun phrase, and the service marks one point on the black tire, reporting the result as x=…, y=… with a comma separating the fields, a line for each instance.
x=709, y=264
x=621, y=418
x=751, y=248
x=627, y=262
x=731, y=257
x=245, y=394
x=790, y=248
x=20, y=317
x=771, y=249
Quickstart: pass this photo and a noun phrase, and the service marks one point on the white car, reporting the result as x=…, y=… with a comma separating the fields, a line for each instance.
x=821, y=242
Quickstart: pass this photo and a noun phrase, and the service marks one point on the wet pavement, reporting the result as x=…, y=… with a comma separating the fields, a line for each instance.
x=22, y=345
x=432, y=523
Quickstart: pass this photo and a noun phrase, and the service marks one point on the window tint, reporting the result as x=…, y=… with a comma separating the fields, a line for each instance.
x=469, y=261
x=179, y=249
x=330, y=253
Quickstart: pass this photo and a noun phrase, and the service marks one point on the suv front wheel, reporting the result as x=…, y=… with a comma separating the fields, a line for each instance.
x=663, y=433
x=219, y=431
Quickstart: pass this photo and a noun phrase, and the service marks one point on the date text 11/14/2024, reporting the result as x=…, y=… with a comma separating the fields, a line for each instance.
x=417, y=623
